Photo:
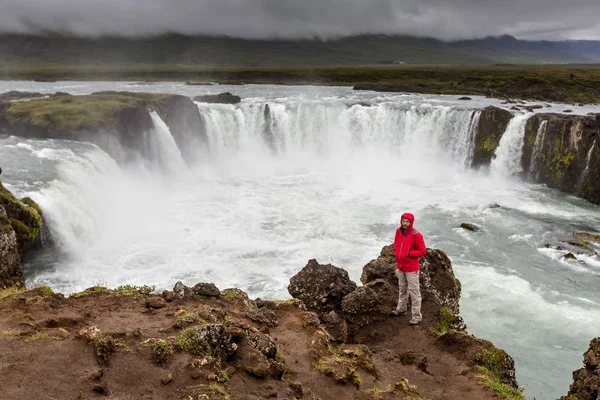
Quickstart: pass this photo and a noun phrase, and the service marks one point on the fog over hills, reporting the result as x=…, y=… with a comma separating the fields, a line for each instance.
x=220, y=51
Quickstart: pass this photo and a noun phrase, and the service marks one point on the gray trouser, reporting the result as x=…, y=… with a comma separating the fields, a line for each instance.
x=408, y=284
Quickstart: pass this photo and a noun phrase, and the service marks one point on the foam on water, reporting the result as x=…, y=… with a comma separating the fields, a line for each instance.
x=325, y=174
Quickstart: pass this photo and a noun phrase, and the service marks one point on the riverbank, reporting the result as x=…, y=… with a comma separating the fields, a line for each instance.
x=563, y=83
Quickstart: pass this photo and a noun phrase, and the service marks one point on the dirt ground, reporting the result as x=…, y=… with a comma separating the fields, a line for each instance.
x=48, y=351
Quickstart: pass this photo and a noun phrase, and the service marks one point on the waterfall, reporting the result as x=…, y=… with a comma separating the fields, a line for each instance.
x=588, y=158
x=403, y=129
x=540, y=137
x=161, y=146
x=509, y=151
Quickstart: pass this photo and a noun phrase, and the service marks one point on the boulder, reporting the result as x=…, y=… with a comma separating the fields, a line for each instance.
x=221, y=98
x=469, y=227
x=181, y=290
x=321, y=287
x=155, y=302
x=206, y=289
x=218, y=339
x=464, y=98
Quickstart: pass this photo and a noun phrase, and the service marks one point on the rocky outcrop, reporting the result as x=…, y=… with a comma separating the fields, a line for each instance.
x=20, y=230
x=563, y=152
x=10, y=258
x=321, y=287
x=492, y=125
x=586, y=381
x=116, y=121
x=221, y=98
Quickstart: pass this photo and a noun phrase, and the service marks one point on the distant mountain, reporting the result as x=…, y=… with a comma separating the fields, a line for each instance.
x=62, y=50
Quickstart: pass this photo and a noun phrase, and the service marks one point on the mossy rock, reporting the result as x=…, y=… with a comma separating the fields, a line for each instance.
x=492, y=125
x=24, y=219
x=78, y=113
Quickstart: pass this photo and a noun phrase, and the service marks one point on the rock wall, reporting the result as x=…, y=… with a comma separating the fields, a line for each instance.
x=20, y=230
x=10, y=258
x=562, y=151
x=115, y=121
x=492, y=125
x=586, y=381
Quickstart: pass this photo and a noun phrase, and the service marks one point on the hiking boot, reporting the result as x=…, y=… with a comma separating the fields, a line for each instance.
x=414, y=322
x=397, y=313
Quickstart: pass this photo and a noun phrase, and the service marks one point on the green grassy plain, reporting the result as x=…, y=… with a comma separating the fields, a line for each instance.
x=565, y=82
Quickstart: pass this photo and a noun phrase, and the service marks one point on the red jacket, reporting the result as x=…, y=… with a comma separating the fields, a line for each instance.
x=409, y=247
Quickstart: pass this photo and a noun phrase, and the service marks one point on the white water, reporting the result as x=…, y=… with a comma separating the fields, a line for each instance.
x=508, y=154
x=162, y=147
x=333, y=189
x=540, y=137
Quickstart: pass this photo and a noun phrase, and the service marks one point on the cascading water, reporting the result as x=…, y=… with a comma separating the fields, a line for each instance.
x=328, y=180
x=510, y=148
x=540, y=137
x=161, y=146
x=331, y=129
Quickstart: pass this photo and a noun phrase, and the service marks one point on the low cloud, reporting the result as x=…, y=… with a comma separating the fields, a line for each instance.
x=442, y=19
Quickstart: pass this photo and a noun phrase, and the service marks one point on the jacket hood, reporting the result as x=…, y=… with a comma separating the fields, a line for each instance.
x=410, y=217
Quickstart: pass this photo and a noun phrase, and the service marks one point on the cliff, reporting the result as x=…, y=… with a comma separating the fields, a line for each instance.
x=562, y=152
x=586, y=380
x=20, y=230
x=106, y=118
x=204, y=343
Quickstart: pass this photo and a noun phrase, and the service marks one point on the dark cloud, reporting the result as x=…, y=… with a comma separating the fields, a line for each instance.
x=443, y=19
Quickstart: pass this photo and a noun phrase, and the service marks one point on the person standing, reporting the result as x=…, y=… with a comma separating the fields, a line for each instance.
x=409, y=246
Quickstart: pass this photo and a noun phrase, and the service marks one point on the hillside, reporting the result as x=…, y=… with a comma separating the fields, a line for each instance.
x=58, y=50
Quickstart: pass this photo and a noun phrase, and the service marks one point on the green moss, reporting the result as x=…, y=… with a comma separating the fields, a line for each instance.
x=492, y=359
x=504, y=391
x=490, y=144
x=90, y=291
x=124, y=290
x=23, y=218
x=559, y=158
x=188, y=342
x=218, y=388
x=161, y=350
x=184, y=318
x=46, y=291
x=130, y=290
x=78, y=113
x=444, y=322
x=104, y=345
x=29, y=201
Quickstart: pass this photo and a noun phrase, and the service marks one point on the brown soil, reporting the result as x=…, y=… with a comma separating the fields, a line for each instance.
x=44, y=353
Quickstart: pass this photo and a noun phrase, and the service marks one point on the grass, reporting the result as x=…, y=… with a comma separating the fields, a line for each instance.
x=161, y=350
x=124, y=290
x=10, y=292
x=444, y=322
x=530, y=81
x=76, y=113
x=7, y=333
x=489, y=379
x=40, y=336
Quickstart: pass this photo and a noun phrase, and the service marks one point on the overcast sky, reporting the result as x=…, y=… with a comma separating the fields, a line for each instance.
x=443, y=19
